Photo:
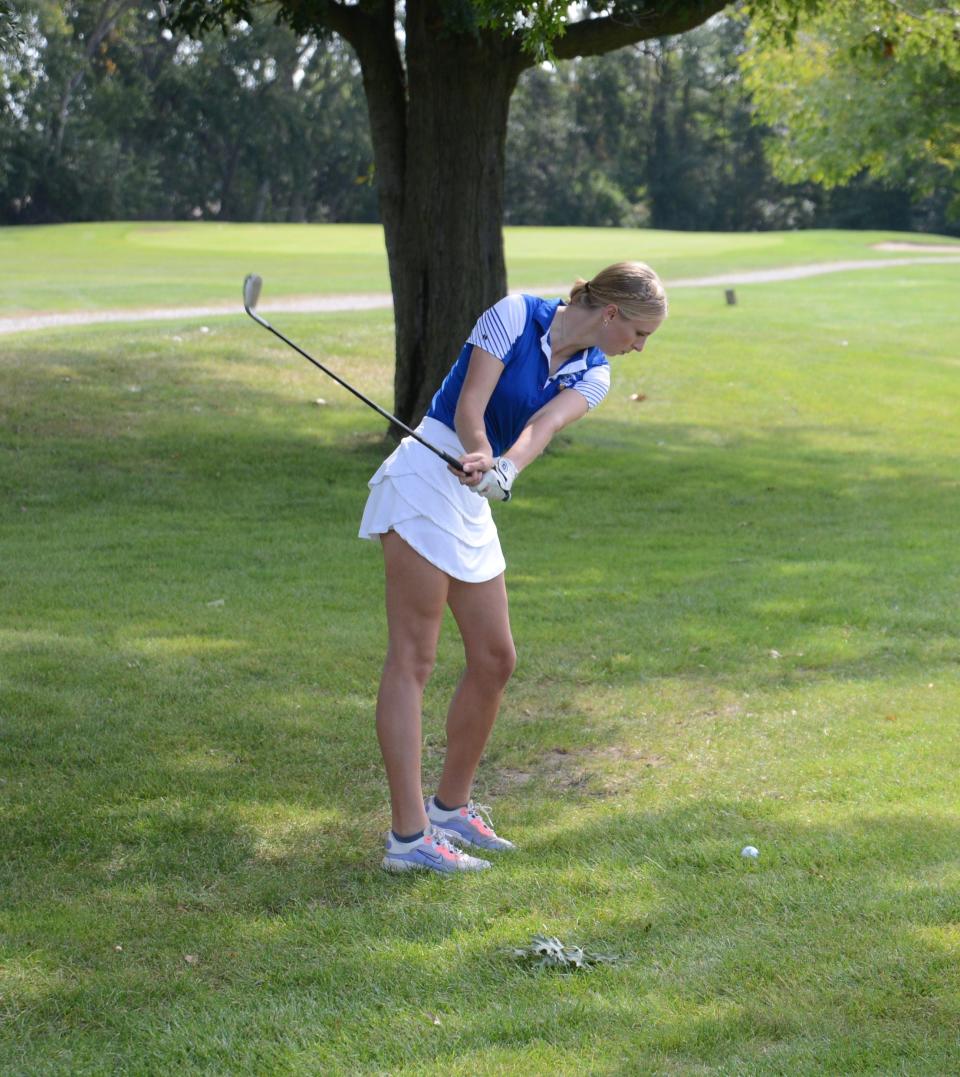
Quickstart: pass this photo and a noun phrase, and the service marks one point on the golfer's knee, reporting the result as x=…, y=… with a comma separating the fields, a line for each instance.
x=495, y=662
x=415, y=663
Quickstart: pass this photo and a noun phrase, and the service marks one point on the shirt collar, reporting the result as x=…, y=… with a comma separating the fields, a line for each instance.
x=543, y=316
x=543, y=313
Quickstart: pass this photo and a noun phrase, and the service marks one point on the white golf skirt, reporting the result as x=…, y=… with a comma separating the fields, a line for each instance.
x=415, y=495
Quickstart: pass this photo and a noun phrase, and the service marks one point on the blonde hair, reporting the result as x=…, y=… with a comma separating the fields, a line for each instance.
x=633, y=287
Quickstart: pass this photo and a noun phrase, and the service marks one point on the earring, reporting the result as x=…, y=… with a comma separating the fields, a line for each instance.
x=604, y=323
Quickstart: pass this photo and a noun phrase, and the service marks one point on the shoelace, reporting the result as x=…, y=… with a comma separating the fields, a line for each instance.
x=481, y=812
x=440, y=838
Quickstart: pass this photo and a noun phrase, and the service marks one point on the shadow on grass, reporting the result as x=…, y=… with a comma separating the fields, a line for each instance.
x=770, y=563
x=182, y=777
x=836, y=948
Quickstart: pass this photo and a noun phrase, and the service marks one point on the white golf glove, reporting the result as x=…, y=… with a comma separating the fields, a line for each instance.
x=495, y=484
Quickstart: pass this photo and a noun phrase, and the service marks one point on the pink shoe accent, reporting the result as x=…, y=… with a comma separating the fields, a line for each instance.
x=482, y=827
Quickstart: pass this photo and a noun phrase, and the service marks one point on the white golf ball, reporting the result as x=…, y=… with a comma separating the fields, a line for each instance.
x=750, y=851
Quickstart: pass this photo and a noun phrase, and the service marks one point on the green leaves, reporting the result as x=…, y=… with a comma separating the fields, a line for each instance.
x=114, y=115
x=539, y=23
x=200, y=17
x=857, y=86
x=11, y=30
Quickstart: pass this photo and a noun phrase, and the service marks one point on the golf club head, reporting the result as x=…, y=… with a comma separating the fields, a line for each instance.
x=251, y=290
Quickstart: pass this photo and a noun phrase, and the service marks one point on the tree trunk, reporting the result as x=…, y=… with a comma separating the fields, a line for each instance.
x=446, y=251
x=439, y=129
x=297, y=213
x=263, y=196
x=660, y=178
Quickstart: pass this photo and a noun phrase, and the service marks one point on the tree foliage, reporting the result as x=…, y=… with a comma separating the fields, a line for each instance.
x=104, y=114
x=11, y=31
x=665, y=134
x=859, y=85
x=265, y=124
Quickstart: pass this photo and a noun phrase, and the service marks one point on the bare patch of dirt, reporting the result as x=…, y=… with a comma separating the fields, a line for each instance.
x=596, y=771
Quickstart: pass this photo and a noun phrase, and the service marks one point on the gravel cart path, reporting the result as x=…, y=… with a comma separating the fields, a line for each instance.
x=315, y=304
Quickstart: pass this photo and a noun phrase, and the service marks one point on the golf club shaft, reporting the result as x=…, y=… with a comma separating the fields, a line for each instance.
x=451, y=460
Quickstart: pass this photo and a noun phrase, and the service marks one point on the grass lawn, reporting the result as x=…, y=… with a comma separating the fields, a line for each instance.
x=735, y=605
x=149, y=264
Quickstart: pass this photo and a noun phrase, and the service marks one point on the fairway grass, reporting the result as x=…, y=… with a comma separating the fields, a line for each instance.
x=735, y=607
x=118, y=265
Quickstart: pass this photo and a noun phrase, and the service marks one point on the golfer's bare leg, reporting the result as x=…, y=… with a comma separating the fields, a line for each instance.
x=416, y=596
x=483, y=617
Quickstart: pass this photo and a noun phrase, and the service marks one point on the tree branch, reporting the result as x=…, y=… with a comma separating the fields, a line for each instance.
x=591, y=37
x=345, y=20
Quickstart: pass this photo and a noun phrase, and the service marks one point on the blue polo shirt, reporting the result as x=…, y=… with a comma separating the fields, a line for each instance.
x=519, y=338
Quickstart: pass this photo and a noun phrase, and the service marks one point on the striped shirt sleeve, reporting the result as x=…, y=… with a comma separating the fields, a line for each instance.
x=594, y=384
x=497, y=329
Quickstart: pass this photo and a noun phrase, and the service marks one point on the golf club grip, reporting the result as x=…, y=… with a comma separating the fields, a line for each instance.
x=445, y=456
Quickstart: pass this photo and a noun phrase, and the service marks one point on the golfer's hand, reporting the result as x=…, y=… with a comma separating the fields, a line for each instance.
x=496, y=483
x=474, y=465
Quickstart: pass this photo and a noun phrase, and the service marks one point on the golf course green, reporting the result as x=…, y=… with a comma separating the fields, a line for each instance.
x=734, y=591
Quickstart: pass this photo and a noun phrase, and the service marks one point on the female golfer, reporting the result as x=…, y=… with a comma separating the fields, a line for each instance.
x=529, y=368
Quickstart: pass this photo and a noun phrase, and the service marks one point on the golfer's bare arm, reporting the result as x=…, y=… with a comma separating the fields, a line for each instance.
x=565, y=408
x=481, y=379
x=483, y=373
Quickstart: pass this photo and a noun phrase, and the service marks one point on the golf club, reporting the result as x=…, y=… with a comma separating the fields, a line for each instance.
x=251, y=293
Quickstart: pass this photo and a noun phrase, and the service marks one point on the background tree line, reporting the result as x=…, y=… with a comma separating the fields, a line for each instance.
x=665, y=134
x=106, y=114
